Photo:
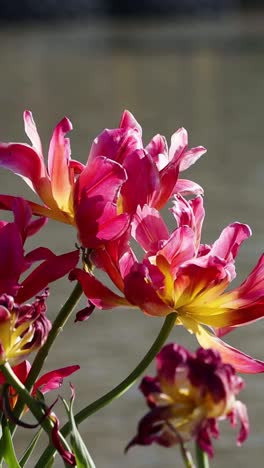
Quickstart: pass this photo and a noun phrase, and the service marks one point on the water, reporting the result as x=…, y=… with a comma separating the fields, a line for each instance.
x=206, y=76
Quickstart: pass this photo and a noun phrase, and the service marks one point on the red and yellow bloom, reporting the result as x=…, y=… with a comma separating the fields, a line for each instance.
x=189, y=395
x=178, y=274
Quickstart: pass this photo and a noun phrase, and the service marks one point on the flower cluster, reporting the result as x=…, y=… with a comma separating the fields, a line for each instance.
x=114, y=198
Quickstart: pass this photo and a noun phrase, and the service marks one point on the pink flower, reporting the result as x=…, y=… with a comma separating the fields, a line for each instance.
x=178, y=274
x=189, y=395
x=14, y=262
x=98, y=198
x=71, y=192
x=152, y=170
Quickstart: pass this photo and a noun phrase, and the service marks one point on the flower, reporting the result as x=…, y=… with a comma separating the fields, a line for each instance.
x=46, y=383
x=178, y=274
x=23, y=328
x=67, y=456
x=71, y=192
x=99, y=198
x=189, y=395
x=153, y=170
x=14, y=262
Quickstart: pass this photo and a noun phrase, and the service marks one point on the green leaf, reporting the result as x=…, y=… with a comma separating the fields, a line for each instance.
x=83, y=458
x=7, y=448
x=30, y=449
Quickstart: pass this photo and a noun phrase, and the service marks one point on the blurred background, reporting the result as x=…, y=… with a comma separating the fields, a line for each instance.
x=192, y=63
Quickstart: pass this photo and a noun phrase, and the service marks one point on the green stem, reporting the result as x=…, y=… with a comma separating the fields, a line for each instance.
x=42, y=354
x=186, y=454
x=120, y=389
x=201, y=457
x=38, y=410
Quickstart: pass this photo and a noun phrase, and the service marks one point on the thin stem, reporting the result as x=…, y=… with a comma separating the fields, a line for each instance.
x=185, y=453
x=38, y=410
x=119, y=390
x=201, y=457
x=42, y=354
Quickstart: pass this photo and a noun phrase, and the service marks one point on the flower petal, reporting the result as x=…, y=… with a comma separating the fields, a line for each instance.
x=50, y=270
x=240, y=361
x=148, y=228
x=32, y=133
x=24, y=161
x=101, y=296
x=58, y=165
x=140, y=292
x=54, y=379
x=95, y=195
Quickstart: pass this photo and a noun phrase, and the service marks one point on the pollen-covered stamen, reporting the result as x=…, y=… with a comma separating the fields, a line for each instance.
x=23, y=328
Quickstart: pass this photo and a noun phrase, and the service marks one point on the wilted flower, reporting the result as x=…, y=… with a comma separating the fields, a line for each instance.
x=66, y=455
x=189, y=395
x=23, y=328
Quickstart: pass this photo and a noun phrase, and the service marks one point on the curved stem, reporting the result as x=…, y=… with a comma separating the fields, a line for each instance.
x=120, y=389
x=201, y=457
x=40, y=412
x=42, y=354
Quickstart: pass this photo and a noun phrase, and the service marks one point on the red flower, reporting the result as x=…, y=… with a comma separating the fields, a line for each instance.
x=14, y=262
x=189, y=395
x=46, y=383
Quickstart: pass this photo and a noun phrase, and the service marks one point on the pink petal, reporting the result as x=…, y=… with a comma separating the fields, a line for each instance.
x=187, y=187
x=148, y=228
x=190, y=213
x=58, y=164
x=101, y=296
x=95, y=192
x=168, y=178
x=21, y=371
x=115, y=144
x=230, y=240
x=143, y=181
x=24, y=161
x=140, y=293
x=179, y=142
x=22, y=215
x=252, y=289
x=50, y=270
x=191, y=156
x=54, y=379
x=32, y=133
x=158, y=150
x=128, y=121
x=179, y=248
x=67, y=456
x=240, y=413
x=11, y=258
x=240, y=361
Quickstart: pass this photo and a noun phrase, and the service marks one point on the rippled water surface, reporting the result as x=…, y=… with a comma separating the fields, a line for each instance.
x=206, y=76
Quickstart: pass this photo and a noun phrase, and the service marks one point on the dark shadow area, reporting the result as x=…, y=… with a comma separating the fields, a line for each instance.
x=20, y=10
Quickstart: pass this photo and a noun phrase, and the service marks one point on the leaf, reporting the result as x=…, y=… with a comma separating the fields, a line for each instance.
x=83, y=458
x=30, y=449
x=7, y=448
